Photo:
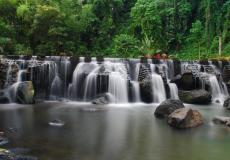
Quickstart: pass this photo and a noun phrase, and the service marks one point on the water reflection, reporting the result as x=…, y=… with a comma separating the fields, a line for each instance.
x=114, y=133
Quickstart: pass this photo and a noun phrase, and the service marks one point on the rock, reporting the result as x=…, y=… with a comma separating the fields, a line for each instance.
x=222, y=120
x=227, y=103
x=176, y=79
x=195, y=96
x=167, y=107
x=146, y=90
x=185, y=118
x=7, y=155
x=187, y=82
x=57, y=123
x=4, y=68
x=25, y=93
x=4, y=100
x=3, y=141
x=226, y=73
x=103, y=99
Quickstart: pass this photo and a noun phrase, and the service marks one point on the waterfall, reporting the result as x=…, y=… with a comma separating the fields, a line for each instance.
x=218, y=93
x=118, y=87
x=136, y=91
x=158, y=88
x=83, y=79
x=90, y=86
x=173, y=91
x=56, y=85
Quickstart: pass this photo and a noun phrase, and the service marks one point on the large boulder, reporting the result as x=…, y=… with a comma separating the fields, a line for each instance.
x=185, y=118
x=167, y=107
x=227, y=103
x=25, y=93
x=195, y=96
x=185, y=81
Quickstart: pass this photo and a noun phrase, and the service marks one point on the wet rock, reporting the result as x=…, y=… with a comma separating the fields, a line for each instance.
x=195, y=96
x=226, y=73
x=3, y=141
x=167, y=107
x=185, y=118
x=187, y=81
x=221, y=120
x=4, y=100
x=12, y=77
x=7, y=155
x=25, y=93
x=146, y=90
x=227, y=103
x=57, y=123
x=102, y=99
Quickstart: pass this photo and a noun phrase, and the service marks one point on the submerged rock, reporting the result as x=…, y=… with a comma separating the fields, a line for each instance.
x=25, y=93
x=195, y=96
x=227, y=103
x=3, y=141
x=167, y=107
x=221, y=120
x=7, y=155
x=185, y=118
x=57, y=123
x=103, y=99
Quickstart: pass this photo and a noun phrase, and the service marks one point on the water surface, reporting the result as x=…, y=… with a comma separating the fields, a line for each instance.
x=114, y=132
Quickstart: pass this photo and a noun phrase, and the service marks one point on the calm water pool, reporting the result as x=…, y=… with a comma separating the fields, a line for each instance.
x=115, y=132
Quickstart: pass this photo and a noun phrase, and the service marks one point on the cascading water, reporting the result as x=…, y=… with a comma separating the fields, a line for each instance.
x=158, y=87
x=118, y=82
x=173, y=91
x=136, y=91
x=218, y=93
x=83, y=79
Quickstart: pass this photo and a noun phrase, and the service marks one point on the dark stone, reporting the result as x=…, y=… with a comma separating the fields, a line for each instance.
x=7, y=155
x=102, y=99
x=25, y=93
x=4, y=100
x=88, y=59
x=13, y=57
x=167, y=107
x=100, y=59
x=177, y=67
x=185, y=82
x=195, y=96
x=156, y=61
x=226, y=73
x=144, y=60
x=221, y=120
x=204, y=62
x=185, y=118
x=176, y=79
x=227, y=103
x=146, y=90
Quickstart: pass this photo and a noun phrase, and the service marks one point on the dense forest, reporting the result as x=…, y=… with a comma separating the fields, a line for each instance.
x=189, y=29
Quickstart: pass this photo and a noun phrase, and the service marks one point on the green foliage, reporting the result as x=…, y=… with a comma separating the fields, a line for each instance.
x=122, y=28
x=125, y=46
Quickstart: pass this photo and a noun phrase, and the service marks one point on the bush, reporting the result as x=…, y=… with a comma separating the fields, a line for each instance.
x=125, y=46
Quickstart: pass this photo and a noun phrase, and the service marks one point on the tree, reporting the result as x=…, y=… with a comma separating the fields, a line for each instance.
x=196, y=33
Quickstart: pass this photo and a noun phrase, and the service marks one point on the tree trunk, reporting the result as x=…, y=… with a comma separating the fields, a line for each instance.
x=220, y=45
